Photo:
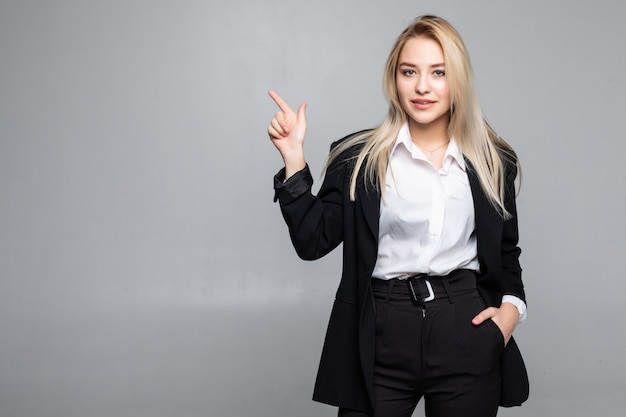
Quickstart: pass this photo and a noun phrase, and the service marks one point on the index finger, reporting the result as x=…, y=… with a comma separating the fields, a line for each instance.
x=282, y=104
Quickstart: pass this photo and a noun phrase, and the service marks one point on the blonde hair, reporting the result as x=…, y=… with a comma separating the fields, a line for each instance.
x=480, y=144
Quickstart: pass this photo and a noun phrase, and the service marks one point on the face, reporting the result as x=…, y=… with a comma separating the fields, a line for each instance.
x=421, y=83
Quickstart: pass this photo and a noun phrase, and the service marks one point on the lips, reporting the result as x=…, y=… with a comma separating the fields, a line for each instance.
x=422, y=104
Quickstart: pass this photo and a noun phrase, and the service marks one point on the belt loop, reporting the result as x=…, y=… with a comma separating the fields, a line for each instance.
x=389, y=289
x=446, y=286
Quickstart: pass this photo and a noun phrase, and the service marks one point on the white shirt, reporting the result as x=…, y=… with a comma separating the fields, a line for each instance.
x=427, y=218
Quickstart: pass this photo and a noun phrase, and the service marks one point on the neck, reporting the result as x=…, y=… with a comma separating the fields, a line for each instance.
x=430, y=135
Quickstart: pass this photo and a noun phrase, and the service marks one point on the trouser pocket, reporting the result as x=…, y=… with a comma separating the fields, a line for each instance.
x=482, y=344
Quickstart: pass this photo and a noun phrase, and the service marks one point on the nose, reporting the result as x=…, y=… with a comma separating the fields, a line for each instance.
x=422, y=86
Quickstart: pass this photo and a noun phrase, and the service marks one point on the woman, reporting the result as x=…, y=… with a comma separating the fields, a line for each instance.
x=424, y=205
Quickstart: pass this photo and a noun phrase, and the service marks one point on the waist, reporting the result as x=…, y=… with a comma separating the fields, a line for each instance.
x=422, y=288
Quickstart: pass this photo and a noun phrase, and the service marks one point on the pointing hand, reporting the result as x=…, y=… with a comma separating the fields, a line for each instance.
x=287, y=131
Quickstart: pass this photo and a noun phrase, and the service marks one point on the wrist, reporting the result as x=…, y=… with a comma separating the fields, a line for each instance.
x=509, y=313
x=517, y=302
x=293, y=164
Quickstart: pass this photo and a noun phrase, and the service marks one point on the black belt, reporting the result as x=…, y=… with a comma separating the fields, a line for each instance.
x=424, y=288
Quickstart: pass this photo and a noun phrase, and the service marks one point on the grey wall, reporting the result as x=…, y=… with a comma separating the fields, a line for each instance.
x=145, y=271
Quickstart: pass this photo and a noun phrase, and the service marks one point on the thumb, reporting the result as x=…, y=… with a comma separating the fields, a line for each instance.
x=302, y=112
x=483, y=315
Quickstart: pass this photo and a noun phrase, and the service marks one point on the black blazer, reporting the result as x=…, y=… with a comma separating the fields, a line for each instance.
x=318, y=224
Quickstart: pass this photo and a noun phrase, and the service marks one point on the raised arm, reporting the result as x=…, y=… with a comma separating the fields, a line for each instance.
x=287, y=131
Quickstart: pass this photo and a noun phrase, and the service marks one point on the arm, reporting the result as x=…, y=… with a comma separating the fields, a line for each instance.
x=315, y=222
x=513, y=305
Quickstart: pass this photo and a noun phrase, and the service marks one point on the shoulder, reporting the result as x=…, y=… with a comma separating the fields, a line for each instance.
x=353, y=140
x=509, y=160
x=349, y=146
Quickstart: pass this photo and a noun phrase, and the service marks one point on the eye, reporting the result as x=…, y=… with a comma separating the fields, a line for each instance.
x=439, y=73
x=408, y=72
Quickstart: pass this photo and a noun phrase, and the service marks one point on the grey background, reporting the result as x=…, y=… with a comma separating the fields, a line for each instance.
x=145, y=270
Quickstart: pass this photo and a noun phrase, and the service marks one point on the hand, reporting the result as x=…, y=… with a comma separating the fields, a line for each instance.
x=287, y=131
x=505, y=317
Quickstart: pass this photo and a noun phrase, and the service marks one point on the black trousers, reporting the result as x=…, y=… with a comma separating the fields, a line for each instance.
x=431, y=349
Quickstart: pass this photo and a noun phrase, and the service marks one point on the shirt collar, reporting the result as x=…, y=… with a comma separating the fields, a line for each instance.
x=404, y=137
x=452, y=152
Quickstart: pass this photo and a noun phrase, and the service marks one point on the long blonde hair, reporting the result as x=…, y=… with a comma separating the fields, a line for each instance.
x=480, y=144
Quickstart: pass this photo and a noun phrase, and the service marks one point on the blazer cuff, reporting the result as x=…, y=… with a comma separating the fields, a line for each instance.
x=286, y=191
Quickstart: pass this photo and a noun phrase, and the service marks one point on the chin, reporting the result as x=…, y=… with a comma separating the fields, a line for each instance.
x=428, y=119
x=424, y=121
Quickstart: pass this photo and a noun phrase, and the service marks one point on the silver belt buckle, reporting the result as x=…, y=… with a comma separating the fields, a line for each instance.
x=415, y=299
x=431, y=293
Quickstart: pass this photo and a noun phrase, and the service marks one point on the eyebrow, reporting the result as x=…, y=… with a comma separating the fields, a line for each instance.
x=406, y=64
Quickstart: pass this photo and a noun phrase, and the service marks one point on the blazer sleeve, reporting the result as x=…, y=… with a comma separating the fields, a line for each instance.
x=315, y=222
x=510, y=251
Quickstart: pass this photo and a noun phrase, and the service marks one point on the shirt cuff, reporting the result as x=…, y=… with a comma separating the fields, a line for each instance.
x=517, y=302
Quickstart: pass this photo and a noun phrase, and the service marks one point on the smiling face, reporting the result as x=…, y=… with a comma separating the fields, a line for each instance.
x=421, y=84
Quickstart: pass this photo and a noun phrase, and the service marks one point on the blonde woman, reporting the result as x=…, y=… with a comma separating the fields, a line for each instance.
x=424, y=204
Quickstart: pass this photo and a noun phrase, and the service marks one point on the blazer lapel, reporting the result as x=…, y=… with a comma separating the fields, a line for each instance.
x=369, y=201
x=481, y=203
x=488, y=223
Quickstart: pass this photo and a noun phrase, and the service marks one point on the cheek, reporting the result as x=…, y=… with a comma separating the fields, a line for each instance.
x=403, y=96
x=400, y=90
x=404, y=90
x=443, y=91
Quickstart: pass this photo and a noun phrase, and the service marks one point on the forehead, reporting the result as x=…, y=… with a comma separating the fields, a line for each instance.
x=421, y=50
